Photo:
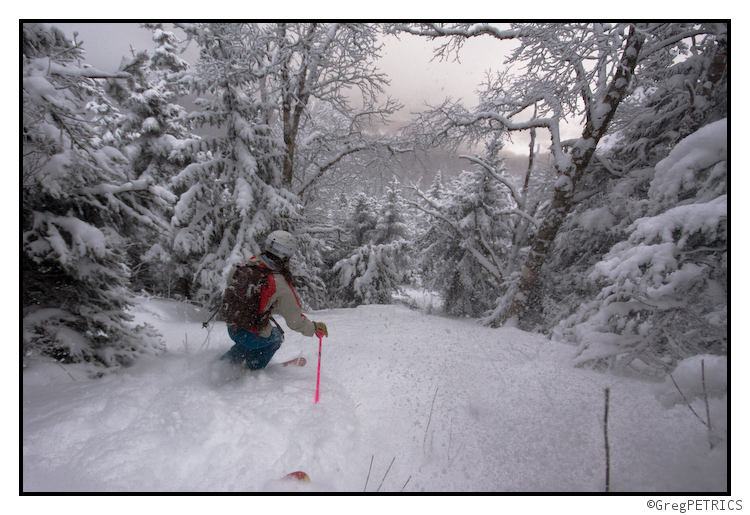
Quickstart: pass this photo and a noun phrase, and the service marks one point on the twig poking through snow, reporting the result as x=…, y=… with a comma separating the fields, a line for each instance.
x=368, y=472
x=450, y=442
x=430, y=418
x=66, y=371
x=450, y=438
x=386, y=473
x=686, y=401
x=705, y=399
x=207, y=341
x=606, y=435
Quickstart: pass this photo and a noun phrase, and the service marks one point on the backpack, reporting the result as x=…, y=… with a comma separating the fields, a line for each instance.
x=241, y=303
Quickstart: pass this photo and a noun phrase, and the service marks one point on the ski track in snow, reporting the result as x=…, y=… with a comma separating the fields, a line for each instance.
x=449, y=405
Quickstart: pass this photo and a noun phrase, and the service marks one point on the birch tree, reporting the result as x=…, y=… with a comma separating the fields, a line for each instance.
x=570, y=72
x=665, y=221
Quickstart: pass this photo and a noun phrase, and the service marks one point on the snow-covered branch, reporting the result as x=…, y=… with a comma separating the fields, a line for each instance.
x=665, y=43
x=111, y=189
x=87, y=71
x=322, y=168
x=546, y=123
x=435, y=212
x=460, y=236
x=477, y=160
x=434, y=31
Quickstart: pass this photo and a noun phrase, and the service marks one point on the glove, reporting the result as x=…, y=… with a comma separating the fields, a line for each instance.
x=320, y=328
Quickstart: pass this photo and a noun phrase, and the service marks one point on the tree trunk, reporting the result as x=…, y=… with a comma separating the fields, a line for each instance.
x=289, y=140
x=597, y=121
x=716, y=70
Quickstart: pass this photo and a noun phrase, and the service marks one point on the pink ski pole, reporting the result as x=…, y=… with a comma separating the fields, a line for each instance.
x=320, y=350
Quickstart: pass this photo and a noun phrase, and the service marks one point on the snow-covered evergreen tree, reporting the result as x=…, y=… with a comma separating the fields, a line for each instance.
x=671, y=272
x=479, y=229
x=436, y=188
x=153, y=133
x=234, y=198
x=310, y=272
x=617, y=186
x=391, y=224
x=155, y=129
x=428, y=231
x=675, y=94
x=465, y=253
x=80, y=198
x=363, y=221
x=376, y=260
x=370, y=275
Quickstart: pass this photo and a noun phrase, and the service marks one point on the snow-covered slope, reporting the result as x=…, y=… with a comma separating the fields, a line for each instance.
x=447, y=404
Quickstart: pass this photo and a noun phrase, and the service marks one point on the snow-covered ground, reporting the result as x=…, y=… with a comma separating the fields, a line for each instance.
x=417, y=402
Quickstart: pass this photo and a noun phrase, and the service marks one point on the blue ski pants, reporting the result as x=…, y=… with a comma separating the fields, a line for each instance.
x=254, y=350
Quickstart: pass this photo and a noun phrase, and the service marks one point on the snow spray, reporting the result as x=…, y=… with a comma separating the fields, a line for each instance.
x=320, y=350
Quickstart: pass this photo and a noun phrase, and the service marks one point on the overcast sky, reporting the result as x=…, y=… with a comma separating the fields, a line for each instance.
x=415, y=77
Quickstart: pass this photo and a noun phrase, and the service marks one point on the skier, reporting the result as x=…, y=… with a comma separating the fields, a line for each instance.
x=257, y=289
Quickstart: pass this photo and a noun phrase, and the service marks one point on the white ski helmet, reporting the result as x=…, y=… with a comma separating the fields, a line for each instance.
x=281, y=244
